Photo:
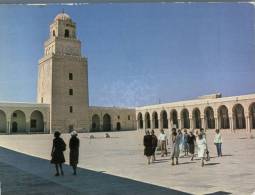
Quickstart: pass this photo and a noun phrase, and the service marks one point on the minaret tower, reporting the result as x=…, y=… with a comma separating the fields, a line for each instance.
x=63, y=77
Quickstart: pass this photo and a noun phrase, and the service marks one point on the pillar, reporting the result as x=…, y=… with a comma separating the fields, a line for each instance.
x=231, y=124
x=28, y=126
x=202, y=123
x=248, y=124
x=216, y=123
x=8, y=126
x=170, y=124
x=179, y=124
x=191, y=123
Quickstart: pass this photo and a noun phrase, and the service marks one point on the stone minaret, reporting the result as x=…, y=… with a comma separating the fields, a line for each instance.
x=63, y=77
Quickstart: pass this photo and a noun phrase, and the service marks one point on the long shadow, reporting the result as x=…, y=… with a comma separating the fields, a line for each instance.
x=22, y=174
x=219, y=193
x=209, y=164
x=184, y=163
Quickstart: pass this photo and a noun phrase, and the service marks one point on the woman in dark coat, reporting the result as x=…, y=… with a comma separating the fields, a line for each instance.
x=154, y=144
x=74, y=150
x=191, y=143
x=57, y=152
x=147, y=142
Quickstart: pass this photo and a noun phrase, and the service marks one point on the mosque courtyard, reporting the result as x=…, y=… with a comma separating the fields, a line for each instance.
x=116, y=165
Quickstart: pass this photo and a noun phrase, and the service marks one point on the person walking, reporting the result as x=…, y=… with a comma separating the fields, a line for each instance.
x=181, y=143
x=57, y=153
x=163, y=139
x=74, y=145
x=147, y=142
x=175, y=146
x=201, y=145
x=154, y=144
x=218, y=142
x=185, y=142
x=191, y=143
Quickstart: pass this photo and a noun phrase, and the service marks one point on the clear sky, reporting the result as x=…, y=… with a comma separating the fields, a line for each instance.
x=137, y=53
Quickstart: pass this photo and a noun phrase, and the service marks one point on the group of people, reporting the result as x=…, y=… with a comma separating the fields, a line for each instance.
x=181, y=142
x=57, y=152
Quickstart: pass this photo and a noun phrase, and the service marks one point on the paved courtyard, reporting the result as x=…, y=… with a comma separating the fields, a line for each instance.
x=117, y=166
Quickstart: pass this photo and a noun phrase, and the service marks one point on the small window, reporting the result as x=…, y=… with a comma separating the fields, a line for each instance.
x=70, y=76
x=41, y=99
x=33, y=123
x=71, y=109
x=66, y=33
x=53, y=33
x=118, y=117
x=14, y=115
x=129, y=117
x=70, y=91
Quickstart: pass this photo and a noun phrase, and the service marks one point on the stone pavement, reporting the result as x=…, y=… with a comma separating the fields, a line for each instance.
x=105, y=163
x=21, y=174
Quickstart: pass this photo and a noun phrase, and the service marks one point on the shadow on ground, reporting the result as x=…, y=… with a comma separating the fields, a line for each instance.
x=22, y=174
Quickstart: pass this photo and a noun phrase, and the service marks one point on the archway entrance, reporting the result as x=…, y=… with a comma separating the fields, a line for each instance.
x=3, y=126
x=174, y=118
x=252, y=115
x=155, y=120
x=223, y=117
x=18, y=122
x=118, y=126
x=95, y=123
x=196, y=118
x=107, y=122
x=238, y=117
x=36, y=122
x=209, y=118
x=14, y=127
x=140, y=120
x=147, y=121
x=185, y=119
x=164, y=121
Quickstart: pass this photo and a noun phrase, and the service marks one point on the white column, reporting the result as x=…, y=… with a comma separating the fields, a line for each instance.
x=248, y=125
x=9, y=127
x=216, y=123
x=179, y=123
x=231, y=124
x=203, y=123
x=191, y=123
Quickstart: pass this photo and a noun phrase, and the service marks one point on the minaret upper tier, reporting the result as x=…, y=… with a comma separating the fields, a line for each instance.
x=62, y=38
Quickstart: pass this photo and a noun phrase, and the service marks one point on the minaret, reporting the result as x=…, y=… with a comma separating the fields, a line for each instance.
x=63, y=77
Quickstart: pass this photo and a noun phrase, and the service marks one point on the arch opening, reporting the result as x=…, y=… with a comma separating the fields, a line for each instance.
x=155, y=120
x=223, y=117
x=238, y=117
x=252, y=115
x=196, y=118
x=107, y=122
x=36, y=122
x=140, y=120
x=209, y=118
x=147, y=121
x=164, y=119
x=95, y=123
x=3, y=122
x=174, y=118
x=185, y=119
x=18, y=122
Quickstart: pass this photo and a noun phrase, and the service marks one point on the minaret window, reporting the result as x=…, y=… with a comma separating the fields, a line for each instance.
x=66, y=33
x=70, y=76
x=70, y=91
x=71, y=109
x=53, y=33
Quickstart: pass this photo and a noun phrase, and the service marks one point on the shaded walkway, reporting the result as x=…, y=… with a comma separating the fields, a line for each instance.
x=24, y=174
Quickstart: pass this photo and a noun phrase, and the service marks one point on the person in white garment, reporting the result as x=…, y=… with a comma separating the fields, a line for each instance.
x=162, y=139
x=201, y=148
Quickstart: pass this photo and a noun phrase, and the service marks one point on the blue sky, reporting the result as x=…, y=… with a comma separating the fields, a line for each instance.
x=137, y=53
